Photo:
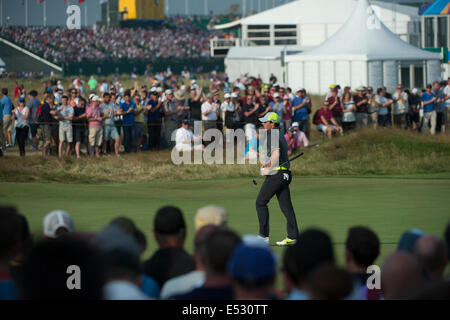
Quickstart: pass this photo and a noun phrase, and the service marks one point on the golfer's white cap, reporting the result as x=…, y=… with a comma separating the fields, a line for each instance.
x=414, y=91
x=295, y=124
x=55, y=220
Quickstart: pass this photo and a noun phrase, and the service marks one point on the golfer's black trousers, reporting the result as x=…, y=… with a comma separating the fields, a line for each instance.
x=277, y=184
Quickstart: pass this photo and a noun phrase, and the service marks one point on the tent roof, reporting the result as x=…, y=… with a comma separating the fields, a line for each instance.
x=317, y=11
x=364, y=37
x=262, y=52
x=437, y=8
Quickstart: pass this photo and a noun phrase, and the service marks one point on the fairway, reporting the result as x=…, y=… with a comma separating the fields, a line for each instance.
x=388, y=205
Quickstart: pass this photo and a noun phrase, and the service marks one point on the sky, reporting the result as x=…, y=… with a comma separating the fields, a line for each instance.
x=13, y=11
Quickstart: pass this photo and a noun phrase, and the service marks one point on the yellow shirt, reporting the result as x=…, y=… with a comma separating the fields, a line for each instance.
x=140, y=116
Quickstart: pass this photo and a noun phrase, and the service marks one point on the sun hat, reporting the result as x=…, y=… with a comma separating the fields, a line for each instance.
x=270, y=116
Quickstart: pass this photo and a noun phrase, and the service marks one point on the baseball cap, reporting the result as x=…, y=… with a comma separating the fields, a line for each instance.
x=97, y=98
x=414, y=91
x=276, y=95
x=270, y=116
x=214, y=215
x=252, y=265
x=57, y=219
x=209, y=95
x=193, y=81
x=168, y=91
x=291, y=129
x=295, y=124
x=21, y=99
x=360, y=88
x=92, y=96
x=185, y=121
x=234, y=95
x=169, y=220
x=159, y=89
x=332, y=86
x=227, y=95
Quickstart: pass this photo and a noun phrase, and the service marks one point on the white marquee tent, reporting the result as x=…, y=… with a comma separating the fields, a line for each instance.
x=363, y=52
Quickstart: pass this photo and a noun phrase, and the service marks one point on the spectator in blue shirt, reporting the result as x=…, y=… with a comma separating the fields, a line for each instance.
x=300, y=110
x=440, y=105
x=429, y=110
x=6, y=105
x=127, y=110
x=154, y=120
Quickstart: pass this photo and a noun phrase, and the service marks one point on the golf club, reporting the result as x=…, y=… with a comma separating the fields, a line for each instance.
x=292, y=159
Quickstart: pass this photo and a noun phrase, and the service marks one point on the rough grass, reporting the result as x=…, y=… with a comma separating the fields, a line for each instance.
x=370, y=152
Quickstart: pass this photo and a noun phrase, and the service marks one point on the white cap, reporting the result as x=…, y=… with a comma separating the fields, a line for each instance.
x=92, y=96
x=168, y=91
x=55, y=220
x=295, y=124
x=193, y=81
x=234, y=95
x=414, y=91
x=227, y=95
x=276, y=95
x=159, y=89
x=97, y=98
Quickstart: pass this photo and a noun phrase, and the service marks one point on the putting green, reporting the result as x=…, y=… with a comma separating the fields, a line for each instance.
x=387, y=205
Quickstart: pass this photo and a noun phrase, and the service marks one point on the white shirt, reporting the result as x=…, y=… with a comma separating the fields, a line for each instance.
x=447, y=93
x=399, y=106
x=227, y=106
x=212, y=116
x=123, y=290
x=183, y=137
x=182, y=284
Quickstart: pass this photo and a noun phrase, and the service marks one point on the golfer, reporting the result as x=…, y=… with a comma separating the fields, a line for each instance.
x=277, y=180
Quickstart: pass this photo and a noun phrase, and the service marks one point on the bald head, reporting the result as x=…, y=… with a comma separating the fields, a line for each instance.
x=431, y=253
x=400, y=276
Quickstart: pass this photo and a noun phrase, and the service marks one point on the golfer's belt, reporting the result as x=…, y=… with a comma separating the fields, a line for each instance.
x=281, y=168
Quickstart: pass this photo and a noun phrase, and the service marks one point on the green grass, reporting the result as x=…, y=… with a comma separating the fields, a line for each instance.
x=387, y=205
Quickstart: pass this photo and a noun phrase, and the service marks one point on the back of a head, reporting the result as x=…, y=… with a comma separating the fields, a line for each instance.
x=447, y=238
x=431, y=253
x=408, y=240
x=47, y=275
x=127, y=225
x=169, y=222
x=211, y=215
x=401, y=276
x=218, y=249
x=10, y=232
x=201, y=237
x=313, y=248
x=363, y=244
x=56, y=223
x=329, y=282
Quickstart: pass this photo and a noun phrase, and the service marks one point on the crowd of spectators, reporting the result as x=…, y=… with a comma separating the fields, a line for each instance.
x=105, y=117
x=222, y=266
x=176, y=37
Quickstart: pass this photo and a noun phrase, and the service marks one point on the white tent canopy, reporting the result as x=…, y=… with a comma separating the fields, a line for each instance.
x=363, y=52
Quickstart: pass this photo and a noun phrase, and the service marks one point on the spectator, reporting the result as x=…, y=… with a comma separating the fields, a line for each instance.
x=20, y=115
x=138, y=121
x=447, y=104
x=109, y=129
x=300, y=111
x=79, y=124
x=431, y=252
x=127, y=109
x=277, y=107
x=9, y=239
x=170, y=117
x=253, y=270
x=46, y=276
x=120, y=253
x=348, y=113
x=287, y=111
x=219, y=247
x=194, y=279
x=312, y=249
x=325, y=121
x=292, y=141
x=94, y=117
x=211, y=214
x=400, y=99
x=300, y=135
x=47, y=119
x=209, y=113
x=408, y=240
x=361, y=108
x=195, y=105
x=185, y=140
x=400, y=276
x=329, y=282
x=92, y=83
x=6, y=105
x=250, y=111
x=33, y=105
x=440, y=106
x=65, y=115
x=429, y=110
x=414, y=104
x=372, y=108
x=362, y=248
x=170, y=260
x=335, y=105
x=154, y=120
x=383, y=103
x=228, y=109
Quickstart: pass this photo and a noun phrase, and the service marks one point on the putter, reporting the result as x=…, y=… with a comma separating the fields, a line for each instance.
x=292, y=159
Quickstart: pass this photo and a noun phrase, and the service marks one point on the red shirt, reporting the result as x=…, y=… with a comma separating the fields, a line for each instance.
x=327, y=114
x=337, y=110
x=93, y=112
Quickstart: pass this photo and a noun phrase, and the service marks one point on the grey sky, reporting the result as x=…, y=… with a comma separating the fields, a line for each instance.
x=13, y=11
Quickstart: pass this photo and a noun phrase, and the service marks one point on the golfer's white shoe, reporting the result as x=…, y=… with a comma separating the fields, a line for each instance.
x=266, y=239
x=286, y=242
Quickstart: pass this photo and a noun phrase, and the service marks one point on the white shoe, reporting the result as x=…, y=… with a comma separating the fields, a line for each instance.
x=286, y=241
x=266, y=239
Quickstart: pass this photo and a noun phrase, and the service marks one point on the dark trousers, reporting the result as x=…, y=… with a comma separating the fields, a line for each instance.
x=440, y=120
x=276, y=184
x=154, y=133
x=21, y=135
x=128, y=138
x=384, y=120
